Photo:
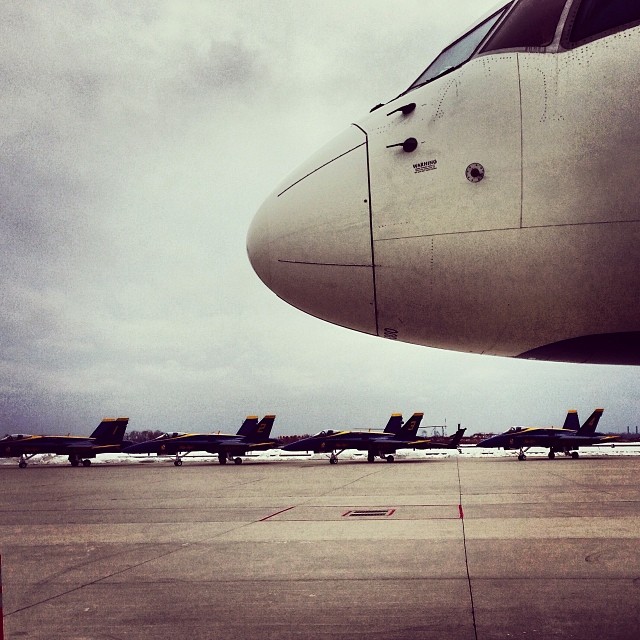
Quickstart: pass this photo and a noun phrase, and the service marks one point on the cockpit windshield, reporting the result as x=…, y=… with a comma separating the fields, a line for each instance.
x=321, y=434
x=174, y=434
x=16, y=436
x=459, y=52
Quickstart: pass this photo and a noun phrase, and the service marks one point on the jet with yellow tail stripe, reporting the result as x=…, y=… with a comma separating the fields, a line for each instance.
x=376, y=443
x=566, y=440
x=107, y=438
x=252, y=436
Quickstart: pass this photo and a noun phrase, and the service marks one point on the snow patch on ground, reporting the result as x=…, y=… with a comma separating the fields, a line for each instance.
x=277, y=455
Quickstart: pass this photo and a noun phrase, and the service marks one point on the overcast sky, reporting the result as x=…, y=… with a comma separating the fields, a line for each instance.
x=138, y=140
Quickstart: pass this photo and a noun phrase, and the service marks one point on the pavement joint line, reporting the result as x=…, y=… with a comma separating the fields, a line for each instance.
x=466, y=555
x=362, y=477
x=126, y=569
x=580, y=484
x=90, y=583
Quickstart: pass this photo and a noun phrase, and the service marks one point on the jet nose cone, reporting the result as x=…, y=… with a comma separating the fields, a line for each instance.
x=310, y=242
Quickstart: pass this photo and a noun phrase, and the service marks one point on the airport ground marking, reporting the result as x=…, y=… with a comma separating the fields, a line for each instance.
x=1, y=609
x=277, y=513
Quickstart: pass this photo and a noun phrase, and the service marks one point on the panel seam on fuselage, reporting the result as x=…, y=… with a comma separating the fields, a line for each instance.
x=372, y=240
x=320, y=167
x=523, y=228
x=521, y=140
x=326, y=264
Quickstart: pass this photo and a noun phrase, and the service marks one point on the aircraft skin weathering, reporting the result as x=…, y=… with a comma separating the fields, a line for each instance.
x=107, y=438
x=252, y=436
x=486, y=203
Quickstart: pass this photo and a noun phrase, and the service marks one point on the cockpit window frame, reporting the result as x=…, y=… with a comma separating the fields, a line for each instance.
x=565, y=39
x=501, y=12
x=550, y=46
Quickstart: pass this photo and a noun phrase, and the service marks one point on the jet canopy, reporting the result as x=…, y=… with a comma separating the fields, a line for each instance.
x=173, y=434
x=16, y=436
x=321, y=434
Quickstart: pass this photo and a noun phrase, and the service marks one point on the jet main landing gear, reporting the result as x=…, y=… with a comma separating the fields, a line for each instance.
x=371, y=456
x=76, y=460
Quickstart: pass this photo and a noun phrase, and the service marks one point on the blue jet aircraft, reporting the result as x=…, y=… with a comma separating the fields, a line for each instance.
x=252, y=436
x=107, y=438
x=375, y=443
x=566, y=440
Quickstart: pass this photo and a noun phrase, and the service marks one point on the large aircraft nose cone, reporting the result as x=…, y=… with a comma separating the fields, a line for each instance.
x=310, y=242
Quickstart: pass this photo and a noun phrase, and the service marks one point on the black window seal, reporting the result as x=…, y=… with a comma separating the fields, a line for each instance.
x=505, y=9
x=568, y=44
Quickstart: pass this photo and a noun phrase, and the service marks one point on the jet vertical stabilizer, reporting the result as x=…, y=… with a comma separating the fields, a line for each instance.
x=411, y=426
x=589, y=427
x=263, y=428
x=571, y=421
x=248, y=426
x=395, y=424
x=455, y=439
x=110, y=431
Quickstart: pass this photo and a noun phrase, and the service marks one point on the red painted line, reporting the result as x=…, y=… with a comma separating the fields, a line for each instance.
x=391, y=512
x=346, y=513
x=277, y=513
x=461, y=512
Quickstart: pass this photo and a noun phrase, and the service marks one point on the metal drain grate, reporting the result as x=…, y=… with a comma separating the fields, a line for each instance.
x=369, y=513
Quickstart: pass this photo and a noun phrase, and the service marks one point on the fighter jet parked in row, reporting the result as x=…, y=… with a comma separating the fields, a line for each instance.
x=252, y=436
x=375, y=443
x=478, y=209
x=566, y=440
x=107, y=438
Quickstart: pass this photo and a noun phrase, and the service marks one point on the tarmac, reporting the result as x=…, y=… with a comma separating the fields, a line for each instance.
x=437, y=548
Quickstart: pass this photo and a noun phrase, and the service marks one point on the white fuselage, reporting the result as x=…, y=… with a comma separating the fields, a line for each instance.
x=512, y=228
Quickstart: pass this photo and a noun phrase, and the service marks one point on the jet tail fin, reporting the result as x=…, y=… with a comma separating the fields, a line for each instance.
x=263, y=430
x=254, y=430
x=589, y=427
x=410, y=427
x=454, y=443
x=110, y=430
x=248, y=426
x=395, y=424
x=571, y=421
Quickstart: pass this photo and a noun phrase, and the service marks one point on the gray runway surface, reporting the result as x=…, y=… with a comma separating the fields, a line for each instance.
x=546, y=549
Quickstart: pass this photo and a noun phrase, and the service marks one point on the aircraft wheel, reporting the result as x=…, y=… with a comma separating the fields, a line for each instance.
x=86, y=463
x=389, y=458
x=521, y=457
x=551, y=455
x=178, y=463
x=222, y=459
x=22, y=464
x=237, y=461
x=371, y=457
x=74, y=463
x=333, y=460
x=575, y=455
